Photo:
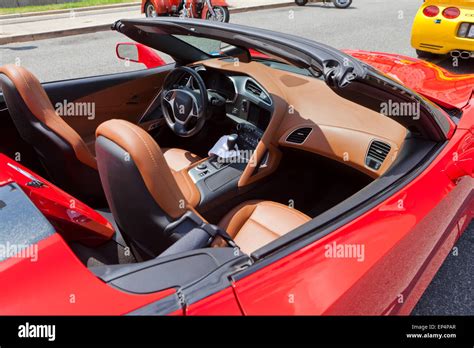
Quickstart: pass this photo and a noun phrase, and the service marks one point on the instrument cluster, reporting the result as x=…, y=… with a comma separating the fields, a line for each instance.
x=218, y=82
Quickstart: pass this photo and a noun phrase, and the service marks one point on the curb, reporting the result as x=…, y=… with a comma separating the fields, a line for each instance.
x=261, y=7
x=54, y=34
x=68, y=10
x=105, y=27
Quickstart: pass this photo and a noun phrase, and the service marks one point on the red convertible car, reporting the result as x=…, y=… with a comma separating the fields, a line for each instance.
x=298, y=179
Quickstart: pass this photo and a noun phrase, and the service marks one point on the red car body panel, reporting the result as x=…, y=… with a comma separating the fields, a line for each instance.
x=439, y=85
x=146, y=55
x=64, y=211
x=59, y=284
x=221, y=303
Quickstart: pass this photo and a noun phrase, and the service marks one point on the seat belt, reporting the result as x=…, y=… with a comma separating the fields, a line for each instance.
x=215, y=231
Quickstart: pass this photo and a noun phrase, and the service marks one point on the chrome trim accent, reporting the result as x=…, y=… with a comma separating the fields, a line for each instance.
x=263, y=89
x=236, y=95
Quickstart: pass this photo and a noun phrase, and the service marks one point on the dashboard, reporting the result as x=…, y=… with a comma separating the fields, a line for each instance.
x=307, y=115
x=247, y=102
x=274, y=109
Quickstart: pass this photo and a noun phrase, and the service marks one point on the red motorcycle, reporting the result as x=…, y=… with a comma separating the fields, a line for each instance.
x=216, y=10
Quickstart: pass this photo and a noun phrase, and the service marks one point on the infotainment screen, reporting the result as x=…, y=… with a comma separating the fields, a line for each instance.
x=250, y=113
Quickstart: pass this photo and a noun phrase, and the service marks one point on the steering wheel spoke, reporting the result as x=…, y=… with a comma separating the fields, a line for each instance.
x=189, y=83
x=194, y=111
x=169, y=96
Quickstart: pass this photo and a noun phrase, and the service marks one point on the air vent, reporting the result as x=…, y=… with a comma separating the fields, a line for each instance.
x=299, y=136
x=257, y=91
x=378, y=152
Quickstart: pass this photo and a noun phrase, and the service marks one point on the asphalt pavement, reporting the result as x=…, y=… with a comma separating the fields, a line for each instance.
x=452, y=290
x=24, y=27
x=374, y=25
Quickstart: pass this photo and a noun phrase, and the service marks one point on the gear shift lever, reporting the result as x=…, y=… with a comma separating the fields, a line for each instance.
x=232, y=141
x=226, y=147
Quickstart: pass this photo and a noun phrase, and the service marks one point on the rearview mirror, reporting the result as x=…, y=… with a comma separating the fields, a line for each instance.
x=138, y=53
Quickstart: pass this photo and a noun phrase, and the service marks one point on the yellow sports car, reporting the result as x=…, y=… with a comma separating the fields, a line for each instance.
x=444, y=26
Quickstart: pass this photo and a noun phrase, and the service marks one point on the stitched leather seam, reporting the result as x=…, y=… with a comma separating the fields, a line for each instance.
x=278, y=205
x=144, y=143
x=261, y=225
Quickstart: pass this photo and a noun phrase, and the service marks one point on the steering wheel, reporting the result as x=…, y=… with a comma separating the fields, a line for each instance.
x=183, y=106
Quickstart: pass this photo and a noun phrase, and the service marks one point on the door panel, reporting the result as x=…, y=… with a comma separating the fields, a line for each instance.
x=118, y=96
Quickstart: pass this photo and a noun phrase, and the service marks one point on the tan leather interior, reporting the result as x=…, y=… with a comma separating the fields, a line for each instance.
x=35, y=97
x=180, y=161
x=342, y=130
x=108, y=104
x=126, y=101
x=254, y=224
x=151, y=163
x=269, y=141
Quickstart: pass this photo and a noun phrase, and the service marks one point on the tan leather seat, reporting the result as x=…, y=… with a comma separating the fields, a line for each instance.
x=64, y=154
x=179, y=159
x=143, y=194
x=254, y=224
x=36, y=99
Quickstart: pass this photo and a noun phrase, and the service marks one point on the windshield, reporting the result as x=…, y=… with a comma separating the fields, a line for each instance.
x=193, y=40
x=209, y=46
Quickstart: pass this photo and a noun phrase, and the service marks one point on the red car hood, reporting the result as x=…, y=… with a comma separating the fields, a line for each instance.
x=435, y=83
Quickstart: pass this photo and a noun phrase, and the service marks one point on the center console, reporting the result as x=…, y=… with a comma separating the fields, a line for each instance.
x=249, y=111
x=220, y=173
x=214, y=178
